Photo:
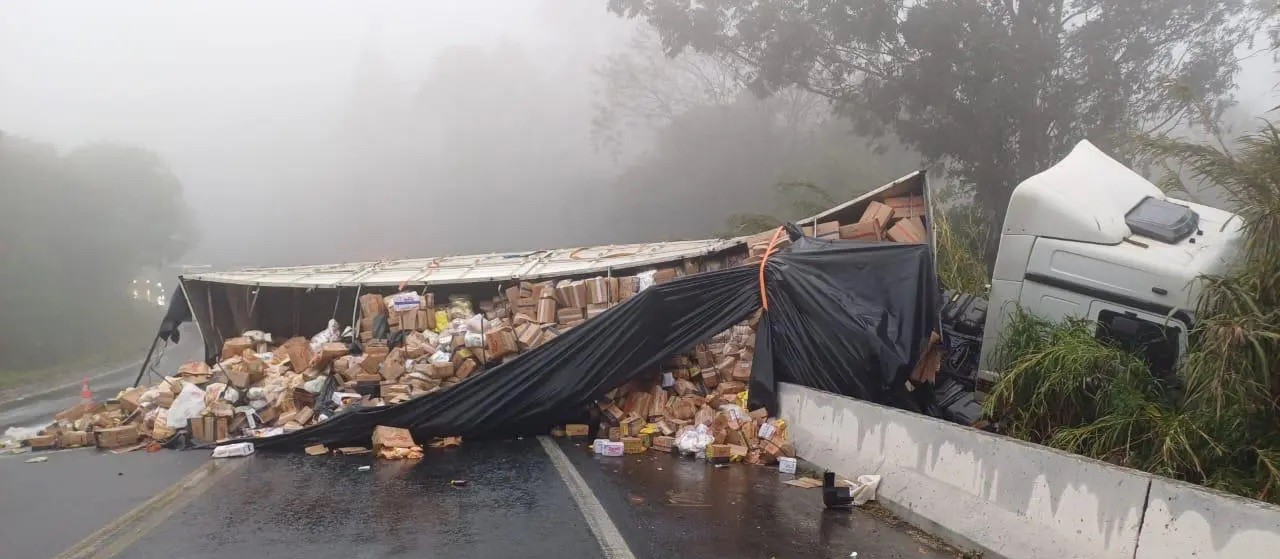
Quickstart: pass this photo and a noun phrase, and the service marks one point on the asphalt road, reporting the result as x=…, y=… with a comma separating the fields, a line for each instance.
x=521, y=499
x=38, y=407
x=515, y=503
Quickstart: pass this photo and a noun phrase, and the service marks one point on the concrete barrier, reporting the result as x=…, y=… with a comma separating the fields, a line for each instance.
x=1004, y=497
x=1009, y=498
x=1185, y=520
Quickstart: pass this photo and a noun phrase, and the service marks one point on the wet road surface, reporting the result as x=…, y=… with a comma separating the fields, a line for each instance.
x=667, y=506
x=515, y=504
x=47, y=507
x=39, y=407
x=296, y=505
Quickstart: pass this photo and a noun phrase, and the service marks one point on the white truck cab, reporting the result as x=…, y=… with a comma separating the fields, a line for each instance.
x=1090, y=238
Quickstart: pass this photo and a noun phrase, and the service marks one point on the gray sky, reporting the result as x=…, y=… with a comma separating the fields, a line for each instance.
x=304, y=131
x=254, y=104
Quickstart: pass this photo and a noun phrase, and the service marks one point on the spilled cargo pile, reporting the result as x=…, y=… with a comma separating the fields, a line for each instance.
x=694, y=405
x=410, y=344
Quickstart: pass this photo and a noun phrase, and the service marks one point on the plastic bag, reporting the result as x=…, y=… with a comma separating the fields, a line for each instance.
x=257, y=393
x=475, y=324
x=473, y=339
x=230, y=394
x=644, y=280
x=442, y=321
x=149, y=398
x=735, y=412
x=460, y=306
x=315, y=385
x=259, y=405
x=213, y=392
x=695, y=440
x=189, y=404
x=332, y=333
x=440, y=357
x=865, y=489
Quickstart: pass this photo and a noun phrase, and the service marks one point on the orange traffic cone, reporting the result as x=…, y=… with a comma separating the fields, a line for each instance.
x=86, y=397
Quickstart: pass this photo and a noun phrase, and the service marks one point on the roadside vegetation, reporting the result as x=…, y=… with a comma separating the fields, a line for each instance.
x=1217, y=421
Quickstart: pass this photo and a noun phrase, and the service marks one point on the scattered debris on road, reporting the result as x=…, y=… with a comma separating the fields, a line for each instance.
x=37, y=459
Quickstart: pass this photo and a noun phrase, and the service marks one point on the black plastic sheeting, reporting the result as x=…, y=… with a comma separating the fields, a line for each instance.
x=846, y=317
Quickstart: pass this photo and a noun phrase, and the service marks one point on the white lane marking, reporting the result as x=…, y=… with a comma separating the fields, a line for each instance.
x=605, y=531
x=121, y=533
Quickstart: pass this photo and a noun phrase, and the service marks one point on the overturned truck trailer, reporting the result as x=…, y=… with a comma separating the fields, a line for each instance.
x=565, y=329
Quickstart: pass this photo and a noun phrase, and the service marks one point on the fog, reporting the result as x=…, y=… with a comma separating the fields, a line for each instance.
x=318, y=131
x=310, y=132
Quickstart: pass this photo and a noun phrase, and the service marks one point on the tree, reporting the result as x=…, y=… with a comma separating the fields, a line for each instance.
x=994, y=90
x=74, y=230
x=707, y=140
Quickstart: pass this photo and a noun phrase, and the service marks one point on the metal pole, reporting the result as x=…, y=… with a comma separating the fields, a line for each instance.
x=355, y=308
x=147, y=360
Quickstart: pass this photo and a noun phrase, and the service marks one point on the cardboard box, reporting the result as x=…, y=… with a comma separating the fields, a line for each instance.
x=615, y=434
x=631, y=425
x=863, y=231
x=824, y=230
x=441, y=370
x=878, y=212
x=710, y=377
x=664, y=443
x=42, y=442
x=316, y=450
x=546, y=311
x=906, y=207
x=613, y=414
x=907, y=231
x=627, y=288
x=786, y=465
x=529, y=335
x=393, y=367
x=613, y=448
x=569, y=314
x=501, y=342
x=731, y=387
x=632, y=445
x=664, y=275
x=465, y=369
x=597, y=290
x=391, y=437
x=738, y=452
x=116, y=437
x=234, y=346
x=371, y=304
x=718, y=453
x=577, y=430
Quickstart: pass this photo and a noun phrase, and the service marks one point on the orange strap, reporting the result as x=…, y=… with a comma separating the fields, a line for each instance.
x=764, y=300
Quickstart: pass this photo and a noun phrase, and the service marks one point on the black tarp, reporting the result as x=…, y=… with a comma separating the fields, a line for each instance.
x=848, y=317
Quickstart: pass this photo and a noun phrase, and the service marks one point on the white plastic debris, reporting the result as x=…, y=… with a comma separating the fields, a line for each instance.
x=233, y=450
x=865, y=489
x=644, y=280
x=37, y=460
x=316, y=385
x=189, y=404
x=331, y=333
x=695, y=440
x=364, y=468
x=786, y=465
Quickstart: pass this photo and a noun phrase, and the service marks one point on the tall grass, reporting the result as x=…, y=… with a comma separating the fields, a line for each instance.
x=1221, y=426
